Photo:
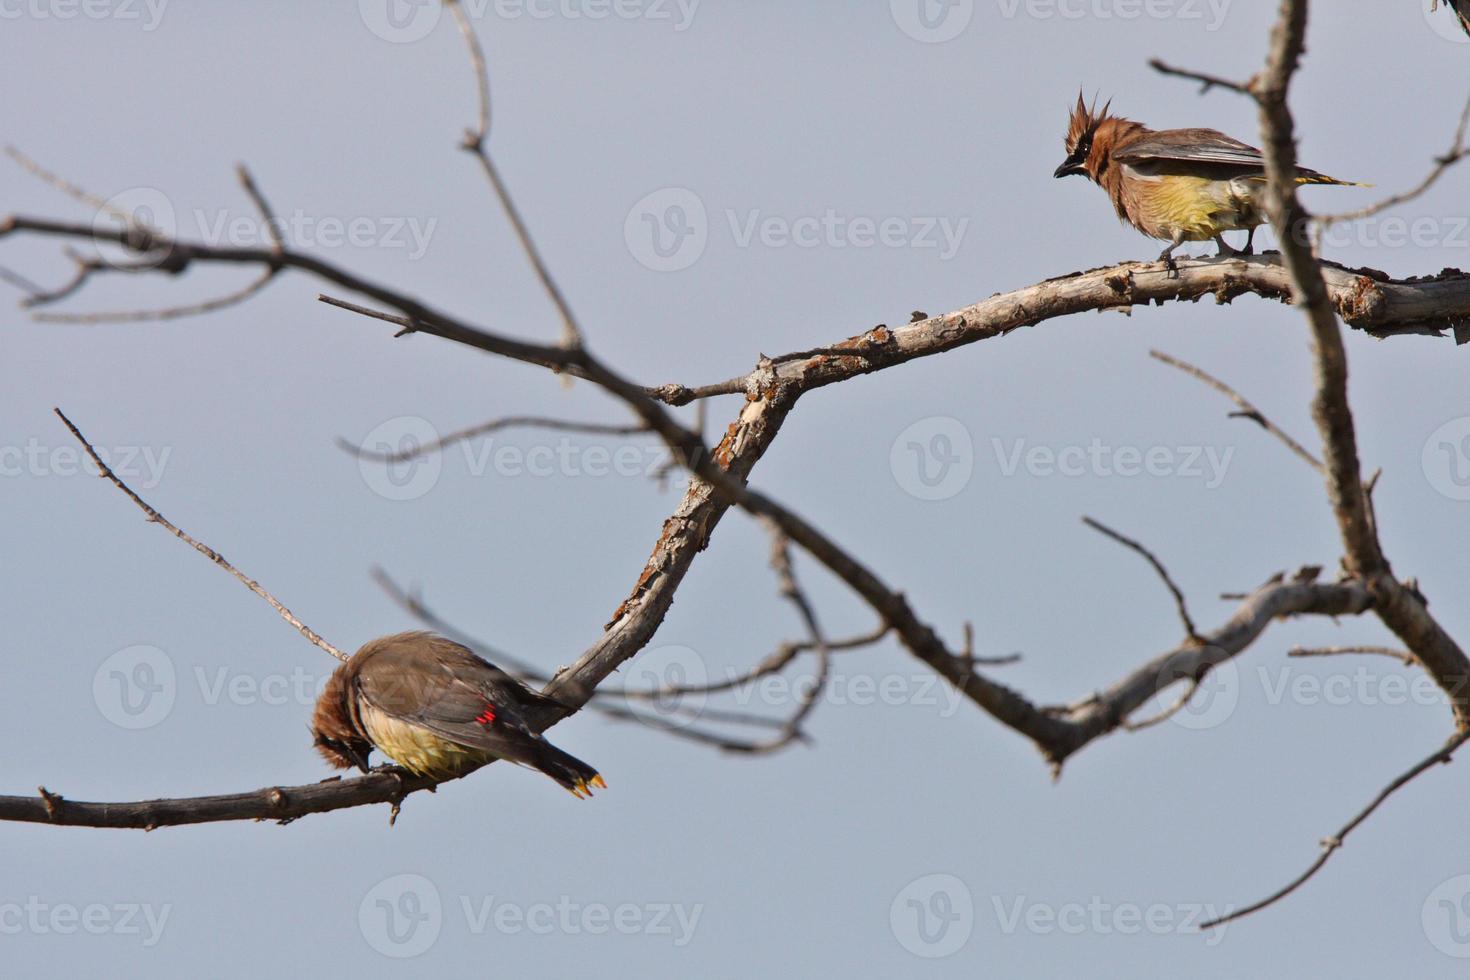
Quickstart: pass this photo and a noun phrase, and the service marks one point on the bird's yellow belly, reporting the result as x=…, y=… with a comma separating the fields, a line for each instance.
x=417, y=749
x=1196, y=208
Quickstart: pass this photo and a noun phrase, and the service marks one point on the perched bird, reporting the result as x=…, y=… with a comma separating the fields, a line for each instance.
x=1179, y=185
x=437, y=710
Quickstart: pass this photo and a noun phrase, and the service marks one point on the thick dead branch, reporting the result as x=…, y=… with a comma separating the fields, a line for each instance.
x=278, y=803
x=1402, y=609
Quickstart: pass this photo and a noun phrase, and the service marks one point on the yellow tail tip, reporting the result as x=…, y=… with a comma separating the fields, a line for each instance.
x=582, y=788
x=1322, y=179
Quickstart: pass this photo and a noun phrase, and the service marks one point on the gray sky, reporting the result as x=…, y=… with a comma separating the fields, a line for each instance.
x=830, y=148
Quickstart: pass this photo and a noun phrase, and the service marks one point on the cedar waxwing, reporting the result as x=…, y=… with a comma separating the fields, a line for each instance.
x=437, y=710
x=1179, y=185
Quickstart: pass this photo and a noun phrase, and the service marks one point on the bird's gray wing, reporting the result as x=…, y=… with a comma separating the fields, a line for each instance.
x=444, y=687
x=1190, y=146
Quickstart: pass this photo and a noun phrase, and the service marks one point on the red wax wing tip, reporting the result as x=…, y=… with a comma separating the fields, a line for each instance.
x=487, y=716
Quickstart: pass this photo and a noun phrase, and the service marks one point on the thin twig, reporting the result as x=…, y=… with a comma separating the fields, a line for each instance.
x=791, y=591
x=1457, y=152
x=74, y=191
x=481, y=132
x=1408, y=658
x=773, y=663
x=1331, y=844
x=494, y=425
x=1207, y=82
x=474, y=142
x=19, y=282
x=968, y=655
x=1163, y=573
x=84, y=270
x=267, y=216
x=1167, y=713
x=166, y=313
x=199, y=546
x=1247, y=410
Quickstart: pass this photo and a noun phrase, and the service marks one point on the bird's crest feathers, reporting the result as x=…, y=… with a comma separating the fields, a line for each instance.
x=1084, y=122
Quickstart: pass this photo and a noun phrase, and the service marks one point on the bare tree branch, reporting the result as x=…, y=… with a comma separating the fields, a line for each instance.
x=1401, y=609
x=474, y=142
x=267, y=216
x=71, y=190
x=1330, y=845
x=1247, y=410
x=772, y=663
x=1158, y=567
x=1404, y=655
x=1207, y=82
x=791, y=730
x=485, y=428
x=1179, y=705
x=20, y=282
x=1457, y=152
x=281, y=804
x=143, y=316
x=199, y=546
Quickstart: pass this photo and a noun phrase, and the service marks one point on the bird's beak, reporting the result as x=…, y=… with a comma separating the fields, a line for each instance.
x=1068, y=168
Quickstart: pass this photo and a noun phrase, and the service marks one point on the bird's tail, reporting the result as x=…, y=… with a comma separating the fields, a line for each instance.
x=1312, y=177
x=572, y=773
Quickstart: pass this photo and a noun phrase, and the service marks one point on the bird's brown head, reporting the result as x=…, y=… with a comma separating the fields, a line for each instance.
x=1089, y=134
x=333, y=724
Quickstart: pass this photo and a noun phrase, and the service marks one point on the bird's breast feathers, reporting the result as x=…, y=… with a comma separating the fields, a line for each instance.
x=1164, y=205
x=417, y=749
